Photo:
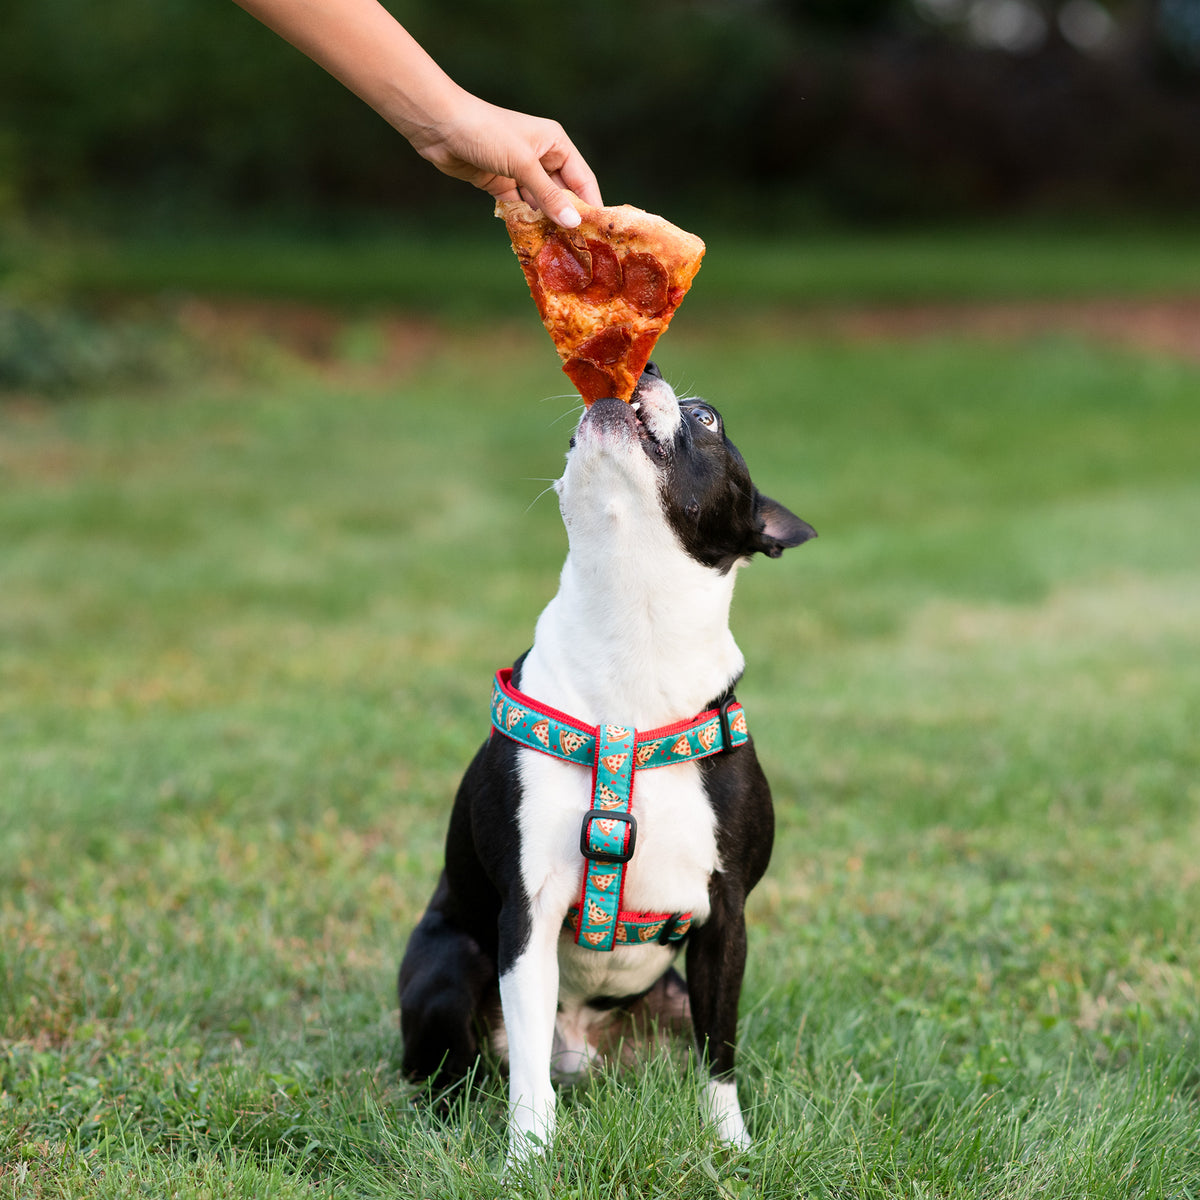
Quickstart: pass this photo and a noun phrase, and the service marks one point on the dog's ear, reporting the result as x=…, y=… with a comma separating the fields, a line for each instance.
x=779, y=529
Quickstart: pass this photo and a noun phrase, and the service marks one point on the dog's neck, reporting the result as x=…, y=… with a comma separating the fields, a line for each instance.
x=638, y=631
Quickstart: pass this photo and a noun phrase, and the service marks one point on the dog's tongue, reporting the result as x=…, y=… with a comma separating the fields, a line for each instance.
x=605, y=291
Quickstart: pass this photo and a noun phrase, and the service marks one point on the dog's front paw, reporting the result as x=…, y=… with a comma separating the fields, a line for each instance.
x=530, y=1132
x=719, y=1106
x=522, y=1148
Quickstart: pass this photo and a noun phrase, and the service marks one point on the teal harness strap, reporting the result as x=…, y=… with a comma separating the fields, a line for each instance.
x=606, y=838
x=540, y=727
x=609, y=832
x=638, y=929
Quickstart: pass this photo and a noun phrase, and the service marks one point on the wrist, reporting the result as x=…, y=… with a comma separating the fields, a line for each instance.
x=425, y=114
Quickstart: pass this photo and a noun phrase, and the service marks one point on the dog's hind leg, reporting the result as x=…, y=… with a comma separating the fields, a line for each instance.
x=445, y=979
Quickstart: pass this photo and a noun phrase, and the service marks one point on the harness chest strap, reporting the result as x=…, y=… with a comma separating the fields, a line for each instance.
x=609, y=831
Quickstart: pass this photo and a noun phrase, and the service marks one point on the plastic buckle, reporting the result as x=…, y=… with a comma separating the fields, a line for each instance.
x=669, y=927
x=605, y=856
x=723, y=713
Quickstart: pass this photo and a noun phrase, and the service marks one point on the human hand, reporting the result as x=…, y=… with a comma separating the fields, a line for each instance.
x=510, y=155
x=506, y=153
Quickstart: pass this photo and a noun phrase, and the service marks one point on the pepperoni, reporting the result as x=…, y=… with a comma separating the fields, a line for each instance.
x=608, y=345
x=593, y=382
x=564, y=266
x=645, y=283
x=606, y=273
x=639, y=352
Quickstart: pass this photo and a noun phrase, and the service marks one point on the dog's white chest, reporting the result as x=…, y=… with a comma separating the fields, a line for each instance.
x=674, y=859
x=677, y=842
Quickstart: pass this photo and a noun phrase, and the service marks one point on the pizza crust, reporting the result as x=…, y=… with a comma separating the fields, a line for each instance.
x=606, y=290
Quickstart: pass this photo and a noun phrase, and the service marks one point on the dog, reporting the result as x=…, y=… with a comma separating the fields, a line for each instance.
x=576, y=873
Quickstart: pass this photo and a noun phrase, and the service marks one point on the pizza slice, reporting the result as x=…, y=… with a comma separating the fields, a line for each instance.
x=606, y=290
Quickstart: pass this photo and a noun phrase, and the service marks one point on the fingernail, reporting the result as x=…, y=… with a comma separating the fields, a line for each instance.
x=568, y=218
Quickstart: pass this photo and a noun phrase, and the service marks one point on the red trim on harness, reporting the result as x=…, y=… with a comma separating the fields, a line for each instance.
x=504, y=678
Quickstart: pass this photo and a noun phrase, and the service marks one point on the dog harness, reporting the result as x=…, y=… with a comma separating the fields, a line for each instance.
x=609, y=832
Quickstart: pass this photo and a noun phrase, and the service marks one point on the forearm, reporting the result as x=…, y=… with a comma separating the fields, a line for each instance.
x=361, y=44
x=505, y=153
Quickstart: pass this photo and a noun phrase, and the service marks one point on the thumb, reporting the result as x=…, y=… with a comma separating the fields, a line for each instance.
x=550, y=198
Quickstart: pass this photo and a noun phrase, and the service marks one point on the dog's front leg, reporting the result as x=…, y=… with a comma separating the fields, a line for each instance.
x=716, y=961
x=529, y=999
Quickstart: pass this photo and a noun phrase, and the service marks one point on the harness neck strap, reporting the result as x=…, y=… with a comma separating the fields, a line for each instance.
x=540, y=727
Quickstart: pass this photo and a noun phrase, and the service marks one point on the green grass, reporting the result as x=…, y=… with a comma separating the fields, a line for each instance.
x=465, y=275
x=246, y=632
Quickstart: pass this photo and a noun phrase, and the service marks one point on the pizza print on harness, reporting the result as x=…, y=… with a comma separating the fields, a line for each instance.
x=570, y=742
x=606, y=797
x=646, y=751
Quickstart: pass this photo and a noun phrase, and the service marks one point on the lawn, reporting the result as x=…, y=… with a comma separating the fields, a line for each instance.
x=247, y=626
x=468, y=274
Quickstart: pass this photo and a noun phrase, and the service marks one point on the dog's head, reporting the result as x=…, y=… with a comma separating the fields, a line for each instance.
x=660, y=459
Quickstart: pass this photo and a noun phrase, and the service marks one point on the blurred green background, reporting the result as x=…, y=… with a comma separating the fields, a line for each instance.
x=152, y=114
x=277, y=420
x=829, y=152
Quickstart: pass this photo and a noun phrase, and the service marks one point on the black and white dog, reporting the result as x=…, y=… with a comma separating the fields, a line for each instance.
x=660, y=512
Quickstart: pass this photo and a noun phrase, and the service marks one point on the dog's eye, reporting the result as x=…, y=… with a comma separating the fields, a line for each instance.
x=705, y=416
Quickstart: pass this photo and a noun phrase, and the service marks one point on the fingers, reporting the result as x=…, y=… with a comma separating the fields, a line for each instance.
x=511, y=155
x=579, y=177
x=539, y=190
x=549, y=196
x=567, y=168
x=549, y=199
x=554, y=167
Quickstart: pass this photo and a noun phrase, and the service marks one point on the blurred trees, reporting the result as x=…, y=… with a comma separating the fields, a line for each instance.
x=171, y=110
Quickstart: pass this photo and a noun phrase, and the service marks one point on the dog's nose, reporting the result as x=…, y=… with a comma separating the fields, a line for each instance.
x=652, y=370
